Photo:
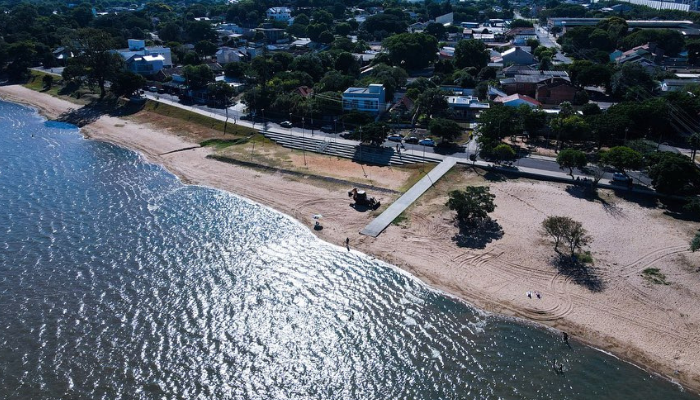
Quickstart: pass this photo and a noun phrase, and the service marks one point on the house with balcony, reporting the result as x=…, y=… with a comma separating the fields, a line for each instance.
x=465, y=107
x=370, y=99
x=145, y=60
x=283, y=14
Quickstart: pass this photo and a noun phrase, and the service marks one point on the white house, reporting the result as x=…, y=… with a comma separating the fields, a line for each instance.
x=279, y=13
x=145, y=60
x=227, y=55
x=370, y=99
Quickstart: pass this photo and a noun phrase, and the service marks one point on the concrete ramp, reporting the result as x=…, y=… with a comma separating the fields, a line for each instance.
x=380, y=223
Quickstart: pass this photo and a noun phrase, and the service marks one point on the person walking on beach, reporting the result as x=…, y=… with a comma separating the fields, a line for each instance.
x=566, y=338
x=347, y=243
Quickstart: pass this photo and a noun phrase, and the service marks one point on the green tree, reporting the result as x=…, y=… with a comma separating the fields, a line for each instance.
x=503, y=152
x=93, y=48
x=520, y=23
x=565, y=229
x=695, y=243
x=622, y=158
x=446, y=129
x=198, y=76
x=432, y=102
x=411, y=50
x=236, y=69
x=471, y=53
x=436, y=30
x=472, y=204
x=221, y=92
x=126, y=83
x=374, y=133
x=47, y=80
x=571, y=158
x=205, y=48
x=673, y=173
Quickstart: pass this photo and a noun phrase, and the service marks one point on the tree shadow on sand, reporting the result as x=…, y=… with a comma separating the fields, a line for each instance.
x=91, y=112
x=579, y=272
x=478, y=235
x=591, y=194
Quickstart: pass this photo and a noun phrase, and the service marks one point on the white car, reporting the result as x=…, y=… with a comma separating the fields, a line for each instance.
x=286, y=124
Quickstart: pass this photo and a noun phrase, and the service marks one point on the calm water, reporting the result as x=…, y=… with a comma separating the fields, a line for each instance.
x=119, y=282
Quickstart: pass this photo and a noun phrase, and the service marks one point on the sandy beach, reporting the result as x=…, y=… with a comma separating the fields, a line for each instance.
x=616, y=309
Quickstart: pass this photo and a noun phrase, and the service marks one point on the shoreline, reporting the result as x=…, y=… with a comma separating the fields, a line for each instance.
x=274, y=191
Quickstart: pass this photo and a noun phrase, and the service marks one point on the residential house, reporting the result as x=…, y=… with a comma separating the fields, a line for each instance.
x=145, y=60
x=520, y=36
x=417, y=27
x=272, y=35
x=233, y=28
x=512, y=70
x=516, y=100
x=555, y=91
x=279, y=14
x=649, y=51
x=515, y=56
x=227, y=55
x=402, y=109
x=305, y=91
x=446, y=53
x=370, y=99
x=61, y=54
x=527, y=84
x=465, y=107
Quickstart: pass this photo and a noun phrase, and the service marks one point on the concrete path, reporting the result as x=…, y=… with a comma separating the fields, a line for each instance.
x=380, y=223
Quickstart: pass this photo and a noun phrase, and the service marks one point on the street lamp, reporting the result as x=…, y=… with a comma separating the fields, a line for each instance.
x=303, y=139
x=290, y=123
x=263, y=121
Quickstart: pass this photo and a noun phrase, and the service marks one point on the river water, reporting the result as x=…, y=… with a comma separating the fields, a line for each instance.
x=117, y=281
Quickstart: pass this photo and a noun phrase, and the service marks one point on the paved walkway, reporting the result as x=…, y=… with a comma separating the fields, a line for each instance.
x=380, y=223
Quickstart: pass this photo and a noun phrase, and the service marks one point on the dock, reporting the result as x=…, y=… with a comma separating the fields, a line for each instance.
x=380, y=223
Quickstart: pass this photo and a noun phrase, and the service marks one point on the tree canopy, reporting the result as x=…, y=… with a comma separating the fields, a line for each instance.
x=411, y=50
x=673, y=173
x=570, y=159
x=472, y=204
x=471, y=53
x=446, y=129
x=622, y=158
x=565, y=229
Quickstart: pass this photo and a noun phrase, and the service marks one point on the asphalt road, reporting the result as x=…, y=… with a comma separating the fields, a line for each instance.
x=236, y=112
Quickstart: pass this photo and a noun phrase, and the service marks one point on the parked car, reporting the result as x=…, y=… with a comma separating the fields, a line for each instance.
x=395, y=138
x=411, y=139
x=327, y=128
x=153, y=89
x=427, y=142
x=620, y=177
x=286, y=124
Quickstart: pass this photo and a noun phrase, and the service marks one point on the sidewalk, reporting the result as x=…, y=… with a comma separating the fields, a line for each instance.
x=533, y=173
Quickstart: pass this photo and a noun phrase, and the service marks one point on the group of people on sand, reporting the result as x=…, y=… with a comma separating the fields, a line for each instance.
x=537, y=294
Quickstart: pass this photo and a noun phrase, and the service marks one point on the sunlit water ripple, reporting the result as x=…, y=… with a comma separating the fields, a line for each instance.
x=119, y=282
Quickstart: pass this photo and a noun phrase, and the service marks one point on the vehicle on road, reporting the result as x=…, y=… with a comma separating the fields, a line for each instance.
x=620, y=177
x=427, y=142
x=153, y=89
x=286, y=124
x=411, y=139
x=395, y=138
x=327, y=128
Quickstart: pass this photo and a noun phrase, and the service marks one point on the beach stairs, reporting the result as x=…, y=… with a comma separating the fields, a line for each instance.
x=360, y=153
